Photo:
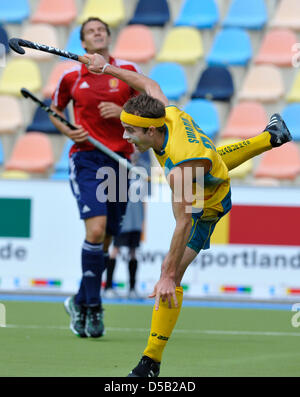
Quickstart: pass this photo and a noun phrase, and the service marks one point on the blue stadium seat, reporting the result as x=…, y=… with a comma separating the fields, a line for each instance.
x=63, y=163
x=4, y=39
x=74, y=43
x=200, y=14
x=205, y=114
x=291, y=116
x=247, y=14
x=172, y=79
x=215, y=83
x=231, y=46
x=151, y=13
x=1, y=154
x=14, y=11
x=61, y=168
x=41, y=121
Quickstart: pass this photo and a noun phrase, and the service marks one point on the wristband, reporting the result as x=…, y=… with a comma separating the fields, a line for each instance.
x=104, y=67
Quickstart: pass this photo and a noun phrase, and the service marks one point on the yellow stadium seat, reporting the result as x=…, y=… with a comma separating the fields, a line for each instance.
x=183, y=45
x=18, y=73
x=287, y=15
x=294, y=93
x=263, y=83
x=242, y=170
x=11, y=117
x=41, y=33
x=112, y=11
x=14, y=174
x=32, y=153
x=55, y=12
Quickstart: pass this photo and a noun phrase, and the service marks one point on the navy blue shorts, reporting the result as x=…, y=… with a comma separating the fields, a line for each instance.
x=88, y=179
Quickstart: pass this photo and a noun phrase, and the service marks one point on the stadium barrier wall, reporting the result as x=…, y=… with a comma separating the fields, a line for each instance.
x=255, y=250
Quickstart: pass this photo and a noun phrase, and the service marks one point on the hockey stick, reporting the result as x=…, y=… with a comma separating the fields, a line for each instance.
x=17, y=44
x=27, y=94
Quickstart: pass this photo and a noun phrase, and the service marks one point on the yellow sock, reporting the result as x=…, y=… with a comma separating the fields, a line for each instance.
x=163, y=322
x=239, y=152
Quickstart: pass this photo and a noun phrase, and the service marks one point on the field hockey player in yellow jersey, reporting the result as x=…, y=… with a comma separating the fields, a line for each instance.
x=181, y=148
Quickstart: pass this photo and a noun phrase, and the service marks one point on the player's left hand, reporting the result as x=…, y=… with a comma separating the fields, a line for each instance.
x=109, y=109
x=164, y=289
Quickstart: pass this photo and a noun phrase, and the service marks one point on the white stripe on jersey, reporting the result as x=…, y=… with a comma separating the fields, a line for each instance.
x=73, y=69
x=122, y=62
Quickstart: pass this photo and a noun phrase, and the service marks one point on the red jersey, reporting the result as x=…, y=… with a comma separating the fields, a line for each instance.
x=87, y=90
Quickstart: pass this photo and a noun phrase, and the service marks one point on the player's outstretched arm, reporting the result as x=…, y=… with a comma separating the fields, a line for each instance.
x=137, y=81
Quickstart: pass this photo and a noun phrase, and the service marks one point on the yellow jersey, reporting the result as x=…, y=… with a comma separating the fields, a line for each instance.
x=185, y=141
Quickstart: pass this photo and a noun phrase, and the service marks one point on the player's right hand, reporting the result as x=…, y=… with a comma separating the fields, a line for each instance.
x=79, y=135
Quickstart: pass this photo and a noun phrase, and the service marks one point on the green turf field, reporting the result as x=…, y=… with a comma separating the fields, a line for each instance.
x=207, y=342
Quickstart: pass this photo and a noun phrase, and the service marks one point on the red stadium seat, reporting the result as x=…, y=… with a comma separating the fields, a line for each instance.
x=245, y=120
x=55, y=12
x=31, y=153
x=280, y=163
x=135, y=43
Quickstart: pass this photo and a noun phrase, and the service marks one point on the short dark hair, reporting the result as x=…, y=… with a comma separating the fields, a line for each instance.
x=93, y=19
x=145, y=105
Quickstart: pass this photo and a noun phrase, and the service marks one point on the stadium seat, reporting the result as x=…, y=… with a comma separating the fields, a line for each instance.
x=242, y=170
x=151, y=13
x=11, y=117
x=32, y=153
x=262, y=83
x=55, y=12
x=171, y=78
x=287, y=15
x=1, y=154
x=291, y=116
x=14, y=174
x=42, y=33
x=14, y=11
x=56, y=73
x=200, y=14
x=74, y=43
x=215, y=83
x=41, y=121
x=294, y=93
x=247, y=14
x=205, y=115
x=63, y=163
x=245, y=120
x=276, y=48
x=181, y=44
x=280, y=163
x=4, y=39
x=231, y=46
x=20, y=73
x=135, y=43
x=112, y=11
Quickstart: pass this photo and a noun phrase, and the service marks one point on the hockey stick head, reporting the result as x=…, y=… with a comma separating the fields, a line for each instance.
x=24, y=92
x=14, y=45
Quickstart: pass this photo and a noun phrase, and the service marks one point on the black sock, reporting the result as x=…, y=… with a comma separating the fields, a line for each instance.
x=110, y=272
x=132, y=265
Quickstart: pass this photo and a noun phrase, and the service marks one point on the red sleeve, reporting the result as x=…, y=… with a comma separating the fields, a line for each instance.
x=63, y=92
x=134, y=69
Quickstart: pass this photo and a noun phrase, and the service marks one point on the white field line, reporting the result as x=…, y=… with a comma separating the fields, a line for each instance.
x=178, y=331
